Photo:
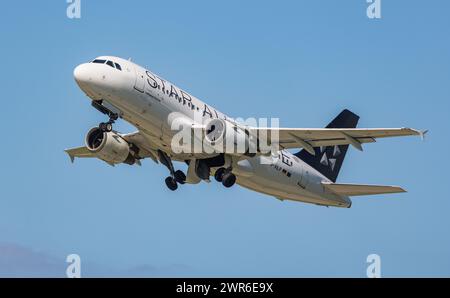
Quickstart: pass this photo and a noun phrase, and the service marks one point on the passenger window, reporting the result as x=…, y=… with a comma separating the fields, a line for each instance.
x=110, y=63
x=118, y=66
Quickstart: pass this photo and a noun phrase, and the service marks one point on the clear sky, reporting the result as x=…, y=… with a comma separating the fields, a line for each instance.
x=301, y=61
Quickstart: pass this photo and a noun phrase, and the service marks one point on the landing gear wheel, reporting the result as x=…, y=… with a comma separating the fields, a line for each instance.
x=105, y=127
x=102, y=126
x=108, y=127
x=219, y=174
x=171, y=183
x=228, y=179
x=180, y=177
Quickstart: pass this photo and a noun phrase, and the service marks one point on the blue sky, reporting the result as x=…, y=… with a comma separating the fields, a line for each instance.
x=301, y=61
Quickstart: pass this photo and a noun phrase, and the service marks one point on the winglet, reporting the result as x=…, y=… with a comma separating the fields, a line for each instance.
x=72, y=158
x=422, y=134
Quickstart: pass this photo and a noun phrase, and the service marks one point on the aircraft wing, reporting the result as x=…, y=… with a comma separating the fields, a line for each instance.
x=308, y=138
x=136, y=138
x=79, y=152
x=360, y=189
x=146, y=148
x=82, y=152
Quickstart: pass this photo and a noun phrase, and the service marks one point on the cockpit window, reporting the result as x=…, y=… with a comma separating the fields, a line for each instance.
x=110, y=63
x=99, y=61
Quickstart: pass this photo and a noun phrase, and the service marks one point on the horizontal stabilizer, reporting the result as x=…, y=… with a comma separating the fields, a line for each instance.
x=360, y=189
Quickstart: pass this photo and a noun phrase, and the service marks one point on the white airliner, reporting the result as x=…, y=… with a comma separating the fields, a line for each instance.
x=120, y=88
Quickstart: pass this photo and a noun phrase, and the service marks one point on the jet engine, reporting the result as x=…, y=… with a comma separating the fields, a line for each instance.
x=226, y=137
x=109, y=146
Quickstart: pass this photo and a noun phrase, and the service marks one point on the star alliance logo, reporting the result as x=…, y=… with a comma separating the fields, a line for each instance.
x=329, y=161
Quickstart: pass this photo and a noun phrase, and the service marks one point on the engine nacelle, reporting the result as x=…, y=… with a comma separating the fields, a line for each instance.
x=109, y=146
x=226, y=137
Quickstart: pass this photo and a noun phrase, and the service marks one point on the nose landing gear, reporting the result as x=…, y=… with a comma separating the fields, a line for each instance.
x=105, y=126
x=108, y=126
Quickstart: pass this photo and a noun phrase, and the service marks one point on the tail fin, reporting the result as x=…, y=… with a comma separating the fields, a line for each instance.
x=328, y=160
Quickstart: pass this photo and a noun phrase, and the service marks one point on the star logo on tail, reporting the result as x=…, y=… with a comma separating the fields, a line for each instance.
x=329, y=161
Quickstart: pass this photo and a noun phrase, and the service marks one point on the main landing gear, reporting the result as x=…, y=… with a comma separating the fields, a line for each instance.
x=225, y=176
x=175, y=176
x=172, y=181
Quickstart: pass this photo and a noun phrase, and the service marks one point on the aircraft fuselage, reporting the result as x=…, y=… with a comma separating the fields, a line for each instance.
x=148, y=102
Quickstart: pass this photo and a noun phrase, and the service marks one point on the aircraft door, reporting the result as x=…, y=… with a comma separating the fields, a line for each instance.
x=139, y=83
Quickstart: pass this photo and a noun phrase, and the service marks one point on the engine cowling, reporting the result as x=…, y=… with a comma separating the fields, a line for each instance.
x=109, y=146
x=226, y=137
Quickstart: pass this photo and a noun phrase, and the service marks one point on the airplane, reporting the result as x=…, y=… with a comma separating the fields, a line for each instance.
x=121, y=89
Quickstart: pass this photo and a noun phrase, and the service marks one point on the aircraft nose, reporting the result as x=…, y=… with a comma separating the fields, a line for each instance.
x=81, y=74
